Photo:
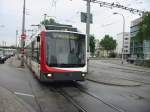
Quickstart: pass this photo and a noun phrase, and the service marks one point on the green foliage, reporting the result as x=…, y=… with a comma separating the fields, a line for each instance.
x=108, y=43
x=49, y=22
x=112, y=55
x=92, y=44
x=144, y=29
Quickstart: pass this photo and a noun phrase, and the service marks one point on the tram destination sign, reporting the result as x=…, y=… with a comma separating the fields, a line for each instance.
x=84, y=17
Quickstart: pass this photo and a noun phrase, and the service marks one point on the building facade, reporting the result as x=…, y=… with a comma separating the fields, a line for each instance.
x=137, y=49
x=123, y=46
x=146, y=49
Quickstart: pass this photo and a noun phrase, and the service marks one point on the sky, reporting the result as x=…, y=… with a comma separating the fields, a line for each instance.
x=67, y=12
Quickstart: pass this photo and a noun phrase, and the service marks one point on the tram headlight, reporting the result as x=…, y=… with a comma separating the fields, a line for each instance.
x=83, y=75
x=49, y=75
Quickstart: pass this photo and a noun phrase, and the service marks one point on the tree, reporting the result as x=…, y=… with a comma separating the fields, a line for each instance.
x=108, y=43
x=144, y=29
x=92, y=44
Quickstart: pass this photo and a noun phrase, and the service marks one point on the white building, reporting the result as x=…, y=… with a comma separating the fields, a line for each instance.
x=97, y=47
x=126, y=43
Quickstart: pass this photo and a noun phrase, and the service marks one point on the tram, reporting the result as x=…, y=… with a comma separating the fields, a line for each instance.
x=57, y=53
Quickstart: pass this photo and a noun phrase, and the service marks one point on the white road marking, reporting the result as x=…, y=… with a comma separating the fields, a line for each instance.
x=23, y=94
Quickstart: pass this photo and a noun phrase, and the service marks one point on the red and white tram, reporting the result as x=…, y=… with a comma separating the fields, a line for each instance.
x=58, y=53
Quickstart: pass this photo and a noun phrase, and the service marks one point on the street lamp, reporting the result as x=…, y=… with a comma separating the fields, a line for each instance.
x=122, y=35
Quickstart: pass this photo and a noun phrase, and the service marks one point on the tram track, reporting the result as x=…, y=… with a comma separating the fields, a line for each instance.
x=142, y=82
x=114, y=107
x=70, y=99
x=111, y=84
x=62, y=91
x=59, y=90
x=128, y=69
x=103, y=83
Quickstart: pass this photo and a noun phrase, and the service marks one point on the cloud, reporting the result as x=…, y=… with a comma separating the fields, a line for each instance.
x=65, y=11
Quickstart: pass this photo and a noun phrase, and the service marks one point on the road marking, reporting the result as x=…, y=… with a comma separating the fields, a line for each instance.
x=23, y=94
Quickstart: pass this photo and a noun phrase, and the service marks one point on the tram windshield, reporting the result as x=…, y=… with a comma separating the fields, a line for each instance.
x=65, y=49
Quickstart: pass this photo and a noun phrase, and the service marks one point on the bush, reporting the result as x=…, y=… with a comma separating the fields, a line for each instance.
x=145, y=63
x=112, y=55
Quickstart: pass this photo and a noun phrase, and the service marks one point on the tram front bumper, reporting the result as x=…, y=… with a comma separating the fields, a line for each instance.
x=73, y=76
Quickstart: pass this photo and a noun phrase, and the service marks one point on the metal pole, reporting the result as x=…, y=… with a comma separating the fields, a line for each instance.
x=88, y=25
x=23, y=32
x=16, y=38
x=122, y=56
x=123, y=39
x=88, y=30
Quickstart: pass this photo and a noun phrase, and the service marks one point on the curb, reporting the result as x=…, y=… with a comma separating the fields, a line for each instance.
x=132, y=69
x=114, y=84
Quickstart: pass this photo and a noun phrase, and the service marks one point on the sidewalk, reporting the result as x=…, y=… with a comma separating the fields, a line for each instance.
x=107, y=79
x=9, y=102
x=125, y=65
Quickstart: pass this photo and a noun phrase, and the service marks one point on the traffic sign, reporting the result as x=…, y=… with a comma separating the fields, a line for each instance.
x=84, y=17
x=23, y=36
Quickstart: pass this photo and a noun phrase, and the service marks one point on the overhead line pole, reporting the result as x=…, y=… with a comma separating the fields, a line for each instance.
x=23, y=33
x=88, y=27
x=16, y=38
x=88, y=24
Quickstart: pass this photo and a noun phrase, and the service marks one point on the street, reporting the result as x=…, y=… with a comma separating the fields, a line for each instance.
x=110, y=87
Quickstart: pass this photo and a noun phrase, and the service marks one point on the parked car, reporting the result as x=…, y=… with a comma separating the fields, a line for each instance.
x=2, y=59
x=131, y=60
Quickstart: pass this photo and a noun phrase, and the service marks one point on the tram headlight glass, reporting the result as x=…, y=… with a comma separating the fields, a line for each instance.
x=49, y=75
x=83, y=75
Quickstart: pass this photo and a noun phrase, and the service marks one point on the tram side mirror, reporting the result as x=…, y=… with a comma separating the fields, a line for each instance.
x=38, y=38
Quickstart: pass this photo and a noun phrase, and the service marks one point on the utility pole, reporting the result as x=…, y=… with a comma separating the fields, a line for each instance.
x=88, y=30
x=88, y=25
x=23, y=34
x=16, y=38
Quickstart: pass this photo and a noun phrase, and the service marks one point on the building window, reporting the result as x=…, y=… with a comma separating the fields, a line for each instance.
x=125, y=51
x=126, y=38
x=126, y=42
x=125, y=46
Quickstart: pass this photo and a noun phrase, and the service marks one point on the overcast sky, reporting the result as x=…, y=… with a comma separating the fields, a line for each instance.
x=68, y=12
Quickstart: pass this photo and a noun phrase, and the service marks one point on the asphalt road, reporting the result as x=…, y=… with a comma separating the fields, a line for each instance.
x=85, y=96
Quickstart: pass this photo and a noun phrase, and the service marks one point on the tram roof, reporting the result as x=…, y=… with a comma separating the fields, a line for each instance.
x=61, y=27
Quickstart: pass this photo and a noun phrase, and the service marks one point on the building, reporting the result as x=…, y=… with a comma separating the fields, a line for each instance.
x=126, y=45
x=97, y=47
x=146, y=49
x=137, y=49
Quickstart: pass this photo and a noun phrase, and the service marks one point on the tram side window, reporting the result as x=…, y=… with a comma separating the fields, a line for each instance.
x=32, y=50
x=35, y=51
